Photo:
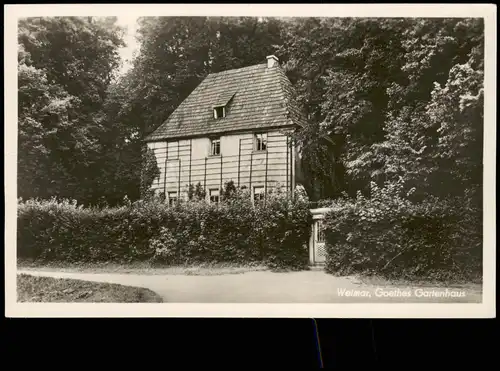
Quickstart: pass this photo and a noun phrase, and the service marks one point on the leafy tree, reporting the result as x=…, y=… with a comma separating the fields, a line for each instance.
x=65, y=67
x=369, y=89
x=385, y=99
x=434, y=125
x=43, y=112
x=342, y=69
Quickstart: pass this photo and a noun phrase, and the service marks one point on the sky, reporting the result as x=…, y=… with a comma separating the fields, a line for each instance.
x=126, y=53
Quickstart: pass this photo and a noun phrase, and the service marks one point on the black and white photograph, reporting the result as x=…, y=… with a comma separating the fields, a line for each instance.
x=253, y=157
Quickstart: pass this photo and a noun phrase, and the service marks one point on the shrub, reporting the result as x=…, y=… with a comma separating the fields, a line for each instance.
x=196, y=192
x=283, y=226
x=60, y=230
x=275, y=233
x=389, y=235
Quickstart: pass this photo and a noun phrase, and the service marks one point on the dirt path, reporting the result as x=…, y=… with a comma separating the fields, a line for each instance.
x=269, y=287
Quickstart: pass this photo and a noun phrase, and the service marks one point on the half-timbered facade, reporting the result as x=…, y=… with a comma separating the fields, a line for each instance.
x=234, y=126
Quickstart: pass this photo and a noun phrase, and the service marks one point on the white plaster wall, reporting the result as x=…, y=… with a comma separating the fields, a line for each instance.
x=200, y=148
x=192, y=158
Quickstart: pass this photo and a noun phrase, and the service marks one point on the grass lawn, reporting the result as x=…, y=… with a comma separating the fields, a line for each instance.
x=46, y=289
x=145, y=268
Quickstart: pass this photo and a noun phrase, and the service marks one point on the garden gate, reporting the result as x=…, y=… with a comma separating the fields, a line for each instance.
x=317, y=251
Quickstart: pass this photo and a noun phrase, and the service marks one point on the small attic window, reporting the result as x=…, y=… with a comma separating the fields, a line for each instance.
x=219, y=112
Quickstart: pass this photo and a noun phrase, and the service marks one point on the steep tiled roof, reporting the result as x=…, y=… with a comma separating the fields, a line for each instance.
x=257, y=97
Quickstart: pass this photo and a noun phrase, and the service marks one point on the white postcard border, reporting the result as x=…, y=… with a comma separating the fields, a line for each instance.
x=484, y=310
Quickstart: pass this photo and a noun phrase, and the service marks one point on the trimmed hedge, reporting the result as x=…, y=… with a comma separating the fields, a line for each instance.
x=275, y=233
x=390, y=236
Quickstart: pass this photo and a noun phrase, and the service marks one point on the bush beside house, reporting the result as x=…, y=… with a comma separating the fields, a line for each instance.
x=275, y=232
x=391, y=236
x=386, y=234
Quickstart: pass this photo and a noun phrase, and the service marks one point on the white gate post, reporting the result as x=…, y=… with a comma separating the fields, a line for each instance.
x=317, y=214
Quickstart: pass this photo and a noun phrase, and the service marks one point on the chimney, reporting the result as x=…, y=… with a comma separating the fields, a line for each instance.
x=272, y=61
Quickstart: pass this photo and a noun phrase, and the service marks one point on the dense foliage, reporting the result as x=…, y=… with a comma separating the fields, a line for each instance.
x=389, y=98
x=384, y=98
x=395, y=108
x=65, y=65
x=390, y=236
x=393, y=105
x=274, y=233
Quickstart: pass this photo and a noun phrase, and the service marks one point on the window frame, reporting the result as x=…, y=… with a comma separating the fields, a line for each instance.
x=216, y=113
x=212, y=141
x=260, y=139
x=217, y=195
x=261, y=195
x=172, y=201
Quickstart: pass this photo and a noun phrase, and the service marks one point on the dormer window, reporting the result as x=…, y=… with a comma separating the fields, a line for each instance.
x=219, y=112
x=221, y=103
